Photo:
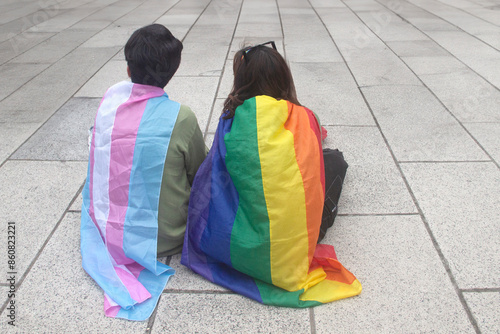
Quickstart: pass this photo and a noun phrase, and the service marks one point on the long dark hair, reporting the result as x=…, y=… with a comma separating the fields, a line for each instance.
x=259, y=70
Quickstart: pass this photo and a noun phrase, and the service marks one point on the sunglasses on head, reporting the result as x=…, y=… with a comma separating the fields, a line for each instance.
x=247, y=51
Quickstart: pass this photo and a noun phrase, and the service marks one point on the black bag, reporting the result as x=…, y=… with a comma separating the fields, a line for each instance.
x=335, y=170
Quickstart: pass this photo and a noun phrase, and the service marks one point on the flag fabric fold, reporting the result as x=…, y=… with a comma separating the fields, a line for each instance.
x=256, y=205
x=119, y=223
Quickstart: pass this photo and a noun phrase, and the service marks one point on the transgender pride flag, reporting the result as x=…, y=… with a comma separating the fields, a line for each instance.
x=119, y=224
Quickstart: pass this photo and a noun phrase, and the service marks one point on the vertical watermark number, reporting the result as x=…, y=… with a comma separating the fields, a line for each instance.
x=11, y=272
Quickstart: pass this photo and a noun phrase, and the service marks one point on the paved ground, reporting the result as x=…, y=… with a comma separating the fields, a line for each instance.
x=408, y=89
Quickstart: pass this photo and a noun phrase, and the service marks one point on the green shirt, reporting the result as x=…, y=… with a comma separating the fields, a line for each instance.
x=185, y=154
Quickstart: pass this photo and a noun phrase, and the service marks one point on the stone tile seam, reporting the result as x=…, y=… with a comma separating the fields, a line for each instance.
x=443, y=259
x=466, y=32
x=481, y=290
x=312, y=320
x=50, y=160
x=443, y=161
x=282, y=29
x=451, y=54
x=462, y=10
x=350, y=125
x=424, y=84
x=41, y=10
x=28, y=269
x=206, y=132
x=378, y=214
x=198, y=292
x=56, y=33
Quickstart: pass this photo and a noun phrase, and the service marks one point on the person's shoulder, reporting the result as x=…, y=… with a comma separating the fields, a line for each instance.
x=186, y=115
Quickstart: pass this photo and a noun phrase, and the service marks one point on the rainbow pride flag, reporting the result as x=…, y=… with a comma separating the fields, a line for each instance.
x=255, y=209
x=119, y=223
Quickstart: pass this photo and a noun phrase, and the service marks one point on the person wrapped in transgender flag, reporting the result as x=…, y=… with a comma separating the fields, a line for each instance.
x=256, y=205
x=119, y=223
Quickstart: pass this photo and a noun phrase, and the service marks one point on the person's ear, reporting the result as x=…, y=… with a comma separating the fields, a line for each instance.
x=128, y=72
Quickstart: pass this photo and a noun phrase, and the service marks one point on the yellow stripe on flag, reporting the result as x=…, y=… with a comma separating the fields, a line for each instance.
x=284, y=194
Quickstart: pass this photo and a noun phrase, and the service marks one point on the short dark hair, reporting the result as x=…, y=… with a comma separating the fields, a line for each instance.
x=153, y=55
x=259, y=70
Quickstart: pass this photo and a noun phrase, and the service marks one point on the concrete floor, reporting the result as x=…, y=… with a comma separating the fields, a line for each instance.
x=409, y=90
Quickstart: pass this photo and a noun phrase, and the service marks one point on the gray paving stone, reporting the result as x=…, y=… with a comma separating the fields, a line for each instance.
x=111, y=73
x=58, y=296
x=77, y=204
x=58, y=83
x=13, y=135
x=104, y=16
x=463, y=20
x=261, y=30
x=146, y=13
x=113, y=36
x=468, y=96
x=198, y=93
x=487, y=134
x=216, y=113
x=479, y=56
x=377, y=66
x=221, y=13
x=31, y=9
x=327, y=4
x=186, y=279
x=227, y=80
x=485, y=308
x=60, y=22
x=54, y=48
x=434, y=65
x=417, y=126
x=35, y=195
x=432, y=24
x=182, y=16
x=64, y=136
x=223, y=313
x=385, y=24
x=203, y=58
x=209, y=139
x=298, y=27
x=423, y=48
x=373, y=184
x=15, y=44
x=20, y=43
x=463, y=216
x=13, y=76
x=242, y=42
x=405, y=287
x=329, y=90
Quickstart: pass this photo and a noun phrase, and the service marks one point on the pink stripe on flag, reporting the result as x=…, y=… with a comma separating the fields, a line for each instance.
x=137, y=291
x=111, y=308
x=127, y=120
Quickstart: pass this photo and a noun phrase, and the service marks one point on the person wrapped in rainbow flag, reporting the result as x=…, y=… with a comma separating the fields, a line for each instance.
x=256, y=203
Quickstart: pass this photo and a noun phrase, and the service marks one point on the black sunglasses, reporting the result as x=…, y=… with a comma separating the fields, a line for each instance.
x=245, y=53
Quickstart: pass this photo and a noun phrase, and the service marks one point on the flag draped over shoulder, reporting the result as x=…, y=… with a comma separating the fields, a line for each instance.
x=255, y=209
x=119, y=223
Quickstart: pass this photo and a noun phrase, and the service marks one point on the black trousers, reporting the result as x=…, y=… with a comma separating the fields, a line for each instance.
x=335, y=170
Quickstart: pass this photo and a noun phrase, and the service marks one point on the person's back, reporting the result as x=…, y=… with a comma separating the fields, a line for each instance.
x=144, y=153
x=257, y=201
